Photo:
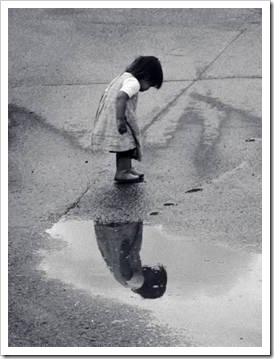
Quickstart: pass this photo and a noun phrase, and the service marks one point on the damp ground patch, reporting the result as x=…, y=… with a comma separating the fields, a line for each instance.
x=211, y=288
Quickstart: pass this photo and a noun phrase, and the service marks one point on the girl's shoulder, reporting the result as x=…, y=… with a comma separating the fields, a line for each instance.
x=129, y=76
x=130, y=84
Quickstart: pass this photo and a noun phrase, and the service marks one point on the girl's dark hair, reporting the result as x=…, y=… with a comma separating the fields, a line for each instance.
x=155, y=280
x=147, y=68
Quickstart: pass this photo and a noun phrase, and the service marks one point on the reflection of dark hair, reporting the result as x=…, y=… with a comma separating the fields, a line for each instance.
x=155, y=280
x=147, y=68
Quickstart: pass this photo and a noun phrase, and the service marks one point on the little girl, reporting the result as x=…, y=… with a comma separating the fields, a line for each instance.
x=116, y=129
x=120, y=246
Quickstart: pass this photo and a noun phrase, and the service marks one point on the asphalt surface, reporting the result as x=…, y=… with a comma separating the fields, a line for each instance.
x=201, y=130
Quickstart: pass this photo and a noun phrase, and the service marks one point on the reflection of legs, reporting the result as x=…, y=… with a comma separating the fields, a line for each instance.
x=125, y=268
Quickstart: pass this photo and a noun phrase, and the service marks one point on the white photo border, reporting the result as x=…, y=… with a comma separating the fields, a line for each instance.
x=146, y=351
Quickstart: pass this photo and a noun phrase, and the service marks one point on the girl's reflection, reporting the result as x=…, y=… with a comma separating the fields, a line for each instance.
x=120, y=245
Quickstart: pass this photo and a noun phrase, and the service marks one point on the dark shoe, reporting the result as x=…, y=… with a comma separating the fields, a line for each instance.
x=126, y=177
x=137, y=173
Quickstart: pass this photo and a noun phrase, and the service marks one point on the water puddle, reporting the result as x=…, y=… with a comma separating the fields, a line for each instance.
x=212, y=293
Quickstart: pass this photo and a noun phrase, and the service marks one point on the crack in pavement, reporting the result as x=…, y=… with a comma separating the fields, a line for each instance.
x=172, y=102
x=91, y=83
x=75, y=203
x=232, y=77
x=165, y=109
x=236, y=77
x=220, y=54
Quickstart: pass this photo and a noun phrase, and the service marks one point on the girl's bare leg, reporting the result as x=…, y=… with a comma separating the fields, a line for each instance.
x=122, y=163
x=123, y=168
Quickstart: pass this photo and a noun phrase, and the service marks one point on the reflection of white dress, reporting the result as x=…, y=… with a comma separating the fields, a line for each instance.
x=120, y=245
x=105, y=135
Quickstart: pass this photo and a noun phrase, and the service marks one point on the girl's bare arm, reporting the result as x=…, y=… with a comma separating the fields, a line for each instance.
x=121, y=102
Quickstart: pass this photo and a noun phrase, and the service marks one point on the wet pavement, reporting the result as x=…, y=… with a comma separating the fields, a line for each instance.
x=213, y=292
x=198, y=211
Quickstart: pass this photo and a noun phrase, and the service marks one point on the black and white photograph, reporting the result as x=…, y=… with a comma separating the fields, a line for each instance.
x=135, y=177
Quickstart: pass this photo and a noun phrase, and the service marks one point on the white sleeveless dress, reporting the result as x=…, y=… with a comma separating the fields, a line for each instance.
x=105, y=134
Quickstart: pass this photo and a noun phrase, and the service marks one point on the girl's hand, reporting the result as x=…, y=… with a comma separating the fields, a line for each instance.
x=122, y=127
